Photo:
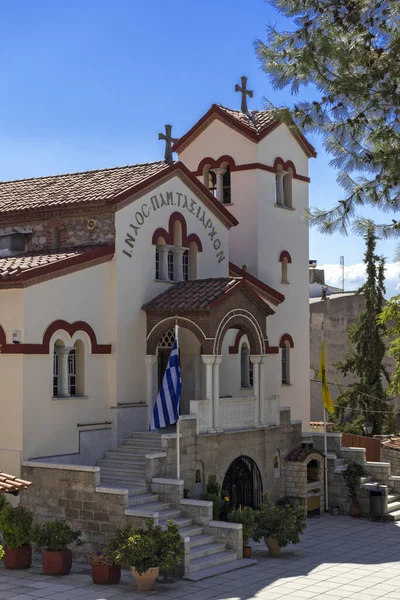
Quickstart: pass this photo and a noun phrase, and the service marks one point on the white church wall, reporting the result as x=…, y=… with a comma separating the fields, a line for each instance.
x=12, y=313
x=281, y=143
x=218, y=140
x=11, y=411
x=135, y=272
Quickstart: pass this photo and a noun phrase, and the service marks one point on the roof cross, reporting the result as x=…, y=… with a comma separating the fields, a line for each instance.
x=245, y=92
x=168, y=143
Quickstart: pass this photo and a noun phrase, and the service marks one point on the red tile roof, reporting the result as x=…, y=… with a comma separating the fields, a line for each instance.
x=73, y=188
x=300, y=454
x=202, y=294
x=10, y=484
x=17, y=270
x=393, y=443
x=256, y=125
x=270, y=293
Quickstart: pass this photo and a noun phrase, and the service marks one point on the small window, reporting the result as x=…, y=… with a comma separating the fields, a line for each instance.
x=285, y=363
x=72, y=372
x=170, y=265
x=226, y=183
x=212, y=182
x=245, y=367
x=185, y=265
x=157, y=264
x=251, y=371
x=279, y=193
x=287, y=188
x=285, y=270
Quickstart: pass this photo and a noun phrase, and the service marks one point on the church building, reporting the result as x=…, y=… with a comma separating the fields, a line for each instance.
x=97, y=267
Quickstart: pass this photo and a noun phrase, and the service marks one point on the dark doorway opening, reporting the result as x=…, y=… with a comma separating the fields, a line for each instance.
x=243, y=483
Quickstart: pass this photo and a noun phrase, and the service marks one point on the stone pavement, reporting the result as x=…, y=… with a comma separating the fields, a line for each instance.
x=339, y=557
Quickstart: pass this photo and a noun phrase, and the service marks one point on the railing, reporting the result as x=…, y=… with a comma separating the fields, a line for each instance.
x=235, y=413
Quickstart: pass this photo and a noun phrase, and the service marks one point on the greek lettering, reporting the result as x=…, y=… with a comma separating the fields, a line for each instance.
x=185, y=204
x=145, y=207
x=140, y=220
x=220, y=256
x=208, y=223
x=135, y=229
x=217, y=244
x=154, y=202
x=170, y=199
x=130, y=240
x=179, y=197
x=212, y=233
x=163, y=201
x=129, y=254
x=192, y=203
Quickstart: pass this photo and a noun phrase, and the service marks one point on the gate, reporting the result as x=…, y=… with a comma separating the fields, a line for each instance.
x=243, y=483
x=371, y=445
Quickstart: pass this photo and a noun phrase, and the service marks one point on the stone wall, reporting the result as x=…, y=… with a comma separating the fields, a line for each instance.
x=392, y=456
x=74, y=231
x=65, y=492
x=212, y=454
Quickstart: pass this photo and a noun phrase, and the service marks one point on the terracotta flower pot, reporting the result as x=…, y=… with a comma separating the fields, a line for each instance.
x=272, y=545
x=247, y=551
x=18, y=558
x=145, y=581
x=355, y=511
x=106, y=574
x=56, y=562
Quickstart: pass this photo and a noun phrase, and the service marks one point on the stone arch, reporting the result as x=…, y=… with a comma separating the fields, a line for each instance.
x=243, y=482
x=162, y=326
x=245, y=322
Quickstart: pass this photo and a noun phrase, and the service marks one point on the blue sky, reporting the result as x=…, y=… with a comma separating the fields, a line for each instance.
x=90, y=84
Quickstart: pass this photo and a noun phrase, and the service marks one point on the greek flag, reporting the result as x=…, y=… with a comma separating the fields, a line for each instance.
x=166, y=408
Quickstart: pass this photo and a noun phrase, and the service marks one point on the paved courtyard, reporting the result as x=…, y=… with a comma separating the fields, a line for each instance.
x=339, y=557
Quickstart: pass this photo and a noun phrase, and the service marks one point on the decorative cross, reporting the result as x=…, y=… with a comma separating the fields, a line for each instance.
x=245, y=92
x=168, y=143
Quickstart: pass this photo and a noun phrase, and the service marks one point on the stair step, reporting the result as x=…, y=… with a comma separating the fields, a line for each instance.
x=182, y=522
x=124, y=484
x=393, y=498
x=172, y=513
x=206, y=550
x=205, y=562
x=124, y=472
x=219, y=569
x=141, y=445
x=393, y=507
x=393, y=516
x=109, y=463
x=143, y=499
x=200, y=540
x=134, y=490
x=155, y=506
x=128, y=458
x=190, y=531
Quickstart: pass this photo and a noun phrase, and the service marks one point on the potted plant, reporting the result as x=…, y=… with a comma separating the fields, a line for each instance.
x=278, y=525
x=148, y=550
x=54, y=538
x=245, y=516
x=16, y=527
x=351, y=475
x=105, y=571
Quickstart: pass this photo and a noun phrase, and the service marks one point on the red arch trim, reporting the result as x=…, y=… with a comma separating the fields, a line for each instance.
x=44, y=347
x=235, y=348
x=169, y=235
x=246, y=167
x=285, y=254
x=286, y=338
x=284, y=164
x=215, y=163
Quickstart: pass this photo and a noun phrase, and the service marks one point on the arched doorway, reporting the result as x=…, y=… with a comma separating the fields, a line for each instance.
x=243, y=483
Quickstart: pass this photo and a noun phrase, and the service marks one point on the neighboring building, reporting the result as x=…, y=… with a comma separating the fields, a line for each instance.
x=316, y=278
x=99, y=267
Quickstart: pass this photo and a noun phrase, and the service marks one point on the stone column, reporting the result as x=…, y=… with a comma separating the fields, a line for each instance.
x=256, y=360
x=217, y=362
x=262, y=390
x=178, y=263
x=220, y=182
x=63, y=383
x=280, y=194
x=163, y=258
x=151, y=361
x=208, y=360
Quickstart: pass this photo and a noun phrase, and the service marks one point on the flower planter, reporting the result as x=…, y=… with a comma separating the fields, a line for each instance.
x=272, y=545
x=145, y=581
x=247, y=551
x=106, y=574
x=56, y=562
x=355, y=511
x=18, y=558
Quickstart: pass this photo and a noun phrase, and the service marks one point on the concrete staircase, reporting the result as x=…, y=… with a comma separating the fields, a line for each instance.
x=125, y=469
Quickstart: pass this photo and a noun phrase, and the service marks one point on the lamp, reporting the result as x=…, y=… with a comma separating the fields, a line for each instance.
x=368, y=427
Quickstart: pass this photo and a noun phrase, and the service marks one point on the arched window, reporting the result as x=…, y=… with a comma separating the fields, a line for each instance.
x=245, y=366
x=185, y=265
x=285, y=356
x=68, y=370
x=157, y=263
x=285, y=270
x=279, y=192
x=287, y=188
x=226, y=186
x=170, y=265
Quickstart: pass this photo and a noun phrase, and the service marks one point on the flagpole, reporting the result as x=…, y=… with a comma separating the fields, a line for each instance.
x=178, y=441
x=325, y=445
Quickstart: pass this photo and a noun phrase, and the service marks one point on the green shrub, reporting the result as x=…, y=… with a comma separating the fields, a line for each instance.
x=16, y=526
x=1, y=552
x=351, y=475
x=3, y=502
x=150, y=547
x=219, y=499
x=285, y=523
x=55, y=535
x=245, y=516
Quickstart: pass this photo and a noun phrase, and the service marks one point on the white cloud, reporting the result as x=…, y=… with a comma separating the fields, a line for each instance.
x=354, y=276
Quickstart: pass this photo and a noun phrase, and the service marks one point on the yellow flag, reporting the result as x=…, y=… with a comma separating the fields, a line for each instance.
x=326, y=397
